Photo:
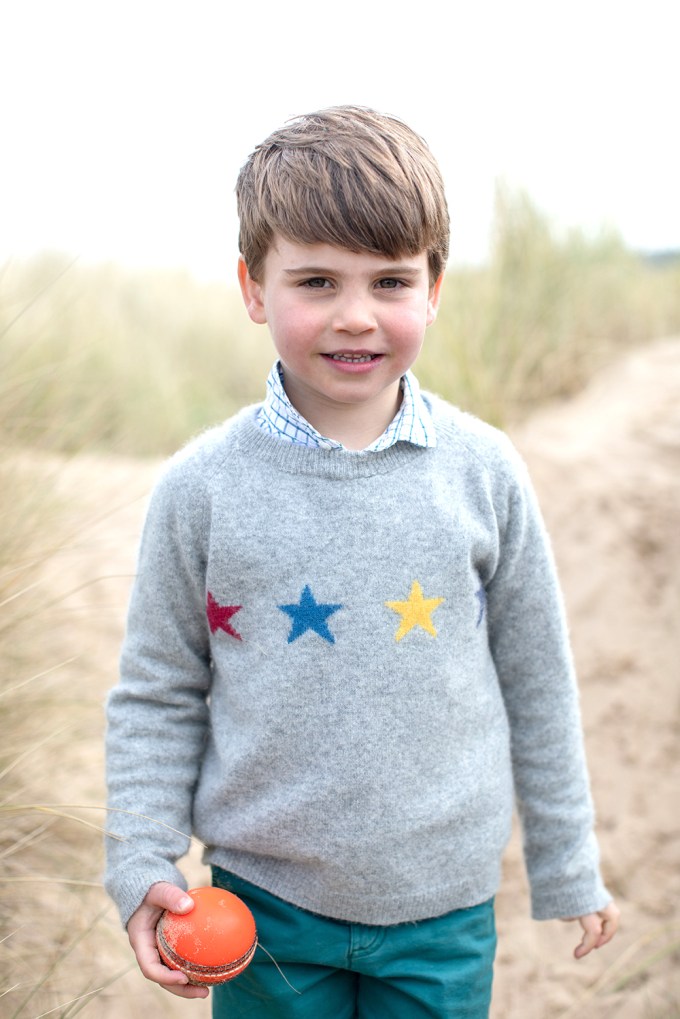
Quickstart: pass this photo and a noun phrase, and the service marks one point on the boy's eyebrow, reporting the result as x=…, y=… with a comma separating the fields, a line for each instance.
x=392, y=270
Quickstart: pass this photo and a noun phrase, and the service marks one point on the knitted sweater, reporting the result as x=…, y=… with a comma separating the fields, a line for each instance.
x=339, y=670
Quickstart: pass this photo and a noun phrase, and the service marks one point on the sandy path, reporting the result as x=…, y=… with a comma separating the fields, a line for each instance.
x=607, y=468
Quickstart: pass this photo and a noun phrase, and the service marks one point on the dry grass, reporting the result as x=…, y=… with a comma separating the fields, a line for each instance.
x=129, y=363
x=543, y=315
x=49, y=881
x=92, y=356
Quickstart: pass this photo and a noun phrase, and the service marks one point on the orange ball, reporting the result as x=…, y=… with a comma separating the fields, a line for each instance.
x=212, y=943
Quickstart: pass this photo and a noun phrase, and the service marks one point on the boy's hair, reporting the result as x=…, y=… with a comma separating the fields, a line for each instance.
x=345, y=176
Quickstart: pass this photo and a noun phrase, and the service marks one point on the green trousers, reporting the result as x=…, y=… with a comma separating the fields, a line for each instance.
x=433, y=969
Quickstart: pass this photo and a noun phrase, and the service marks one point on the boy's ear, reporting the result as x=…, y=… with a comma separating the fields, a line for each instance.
x=252, y=294
x=434, y=299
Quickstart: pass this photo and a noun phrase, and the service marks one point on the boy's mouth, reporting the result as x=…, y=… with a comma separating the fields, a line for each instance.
x=353, y=358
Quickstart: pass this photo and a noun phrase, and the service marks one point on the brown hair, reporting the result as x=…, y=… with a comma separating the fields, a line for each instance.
x=346, y=176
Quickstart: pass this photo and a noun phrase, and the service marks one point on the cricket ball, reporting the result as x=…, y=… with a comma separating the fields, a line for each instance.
x=212, y=943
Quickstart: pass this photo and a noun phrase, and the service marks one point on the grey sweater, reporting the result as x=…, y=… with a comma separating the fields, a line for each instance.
x=340, y=670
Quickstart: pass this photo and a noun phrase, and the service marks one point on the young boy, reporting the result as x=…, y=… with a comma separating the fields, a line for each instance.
x=346, y=650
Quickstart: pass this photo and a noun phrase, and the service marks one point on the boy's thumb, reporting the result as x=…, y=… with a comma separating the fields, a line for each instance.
x=172, y=897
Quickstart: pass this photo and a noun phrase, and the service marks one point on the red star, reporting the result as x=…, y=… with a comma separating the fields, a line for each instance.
x=219, y=616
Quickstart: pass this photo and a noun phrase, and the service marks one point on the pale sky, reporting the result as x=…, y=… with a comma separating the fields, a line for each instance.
x=123, y=124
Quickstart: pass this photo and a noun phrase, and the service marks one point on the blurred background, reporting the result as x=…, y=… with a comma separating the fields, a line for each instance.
x=123, y=128
x=124, y=125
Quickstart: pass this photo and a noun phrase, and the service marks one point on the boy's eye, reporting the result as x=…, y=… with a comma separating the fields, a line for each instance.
x=316, y=283
x=389, y=283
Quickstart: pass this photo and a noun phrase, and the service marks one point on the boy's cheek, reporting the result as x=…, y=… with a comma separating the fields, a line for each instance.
x=294, y=327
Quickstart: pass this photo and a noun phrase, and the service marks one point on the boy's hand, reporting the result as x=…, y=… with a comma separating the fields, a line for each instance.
x=142, y=934
x=598, y=929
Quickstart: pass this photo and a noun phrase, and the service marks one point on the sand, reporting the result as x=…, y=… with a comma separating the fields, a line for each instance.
x=606, y=465
x=607, y=469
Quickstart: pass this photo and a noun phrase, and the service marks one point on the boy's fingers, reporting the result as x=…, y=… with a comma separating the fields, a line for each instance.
x=169, y=979
x=142, y=935
x=166, y=896
x=610, y=923
x=592, y=929
x=598, y=929
x=150, y=962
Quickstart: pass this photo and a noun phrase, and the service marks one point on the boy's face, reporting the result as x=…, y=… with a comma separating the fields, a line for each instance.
x=346, y=326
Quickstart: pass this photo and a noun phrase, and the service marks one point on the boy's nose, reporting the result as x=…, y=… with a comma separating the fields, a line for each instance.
x=353, y=315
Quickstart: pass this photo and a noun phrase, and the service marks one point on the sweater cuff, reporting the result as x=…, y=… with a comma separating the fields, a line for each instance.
x=563, y=904
x=127, y=889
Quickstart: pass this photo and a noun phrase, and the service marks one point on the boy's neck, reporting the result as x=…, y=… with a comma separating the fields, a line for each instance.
x=354, y=425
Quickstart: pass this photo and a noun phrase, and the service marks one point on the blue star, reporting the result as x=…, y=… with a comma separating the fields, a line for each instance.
x=309, y=615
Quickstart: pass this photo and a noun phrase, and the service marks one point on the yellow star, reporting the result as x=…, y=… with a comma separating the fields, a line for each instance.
x=415, y=612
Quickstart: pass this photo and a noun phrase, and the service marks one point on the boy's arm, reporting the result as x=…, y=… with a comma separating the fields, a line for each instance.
x=529, y=642
x=158, y=714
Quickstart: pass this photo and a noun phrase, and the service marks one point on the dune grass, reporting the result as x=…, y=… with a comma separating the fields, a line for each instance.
x=111, y=360
x=545, y=314
x=136, y=363
x=50, y=895
x=94, y=358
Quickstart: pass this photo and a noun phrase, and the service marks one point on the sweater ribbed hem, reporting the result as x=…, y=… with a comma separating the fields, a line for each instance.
x=463, y=892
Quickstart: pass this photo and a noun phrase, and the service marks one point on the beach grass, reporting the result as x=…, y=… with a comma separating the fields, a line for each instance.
x=548, y=311
x=95, y=357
